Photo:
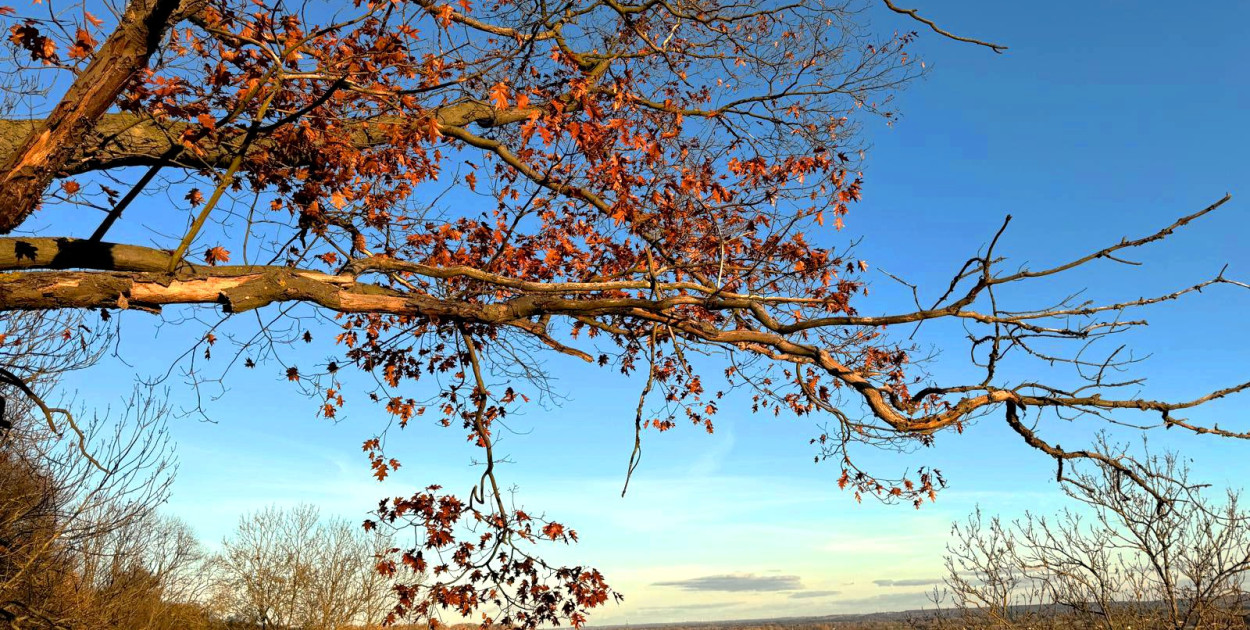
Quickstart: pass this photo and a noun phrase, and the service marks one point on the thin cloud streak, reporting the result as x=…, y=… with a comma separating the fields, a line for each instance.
x=737, y=583
x=813, y=594
x=888, y=601
x=908, y=582
x=681, y=607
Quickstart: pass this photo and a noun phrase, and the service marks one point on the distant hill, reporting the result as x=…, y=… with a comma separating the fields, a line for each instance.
x=861, y=621
x=788, y=623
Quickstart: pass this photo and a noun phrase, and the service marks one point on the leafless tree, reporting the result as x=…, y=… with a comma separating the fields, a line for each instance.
x=1143, y=548
x=141, y=575
x=1085, y=573
x=344, y=587
x=286, y=568
x=986, y=582
x=70, y=486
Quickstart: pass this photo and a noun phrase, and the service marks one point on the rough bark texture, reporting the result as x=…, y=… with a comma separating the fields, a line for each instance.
x=120, y=140
x=26, y=171
x=117, y=140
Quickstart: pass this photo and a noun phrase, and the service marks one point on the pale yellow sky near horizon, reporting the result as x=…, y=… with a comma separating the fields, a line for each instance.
x=700, y=545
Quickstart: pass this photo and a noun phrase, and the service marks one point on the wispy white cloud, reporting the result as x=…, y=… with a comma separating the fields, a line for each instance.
x=813, y=594
x=709, y=461
x=886, y=601
x=908, y=582
x=682, y=607
x=737, y=583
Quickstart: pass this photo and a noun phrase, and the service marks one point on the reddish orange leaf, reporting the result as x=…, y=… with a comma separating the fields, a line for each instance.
x=499, y=95
x=217, y=254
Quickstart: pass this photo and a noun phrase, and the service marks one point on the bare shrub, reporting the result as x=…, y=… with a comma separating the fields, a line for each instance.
x=80, y=542
x=289, y=568
x=1143, y=547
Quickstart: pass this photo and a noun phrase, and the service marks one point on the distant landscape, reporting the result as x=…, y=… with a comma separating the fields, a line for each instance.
x=867, y=621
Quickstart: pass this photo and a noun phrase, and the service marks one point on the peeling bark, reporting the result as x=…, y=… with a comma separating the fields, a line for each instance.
x=118, y=140
x=234, y=289
x=27, y=170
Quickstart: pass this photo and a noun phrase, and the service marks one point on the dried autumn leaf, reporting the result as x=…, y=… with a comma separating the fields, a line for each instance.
x=84, y=45
x=27, y=37
x=216, y=254
x=553, y=530
x=499, y=95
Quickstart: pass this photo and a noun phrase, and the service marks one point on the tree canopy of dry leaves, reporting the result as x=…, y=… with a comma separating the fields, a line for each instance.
x=460, y=187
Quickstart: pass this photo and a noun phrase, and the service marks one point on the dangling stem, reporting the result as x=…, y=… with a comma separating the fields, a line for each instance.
x=479, y=426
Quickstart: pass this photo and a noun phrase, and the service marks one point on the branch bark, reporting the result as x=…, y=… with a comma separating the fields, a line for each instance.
x=47, y=146
x=119, y=140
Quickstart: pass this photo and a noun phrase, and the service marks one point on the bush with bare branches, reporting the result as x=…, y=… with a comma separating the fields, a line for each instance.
x=1142, y=548
x=81, y=544
x=288, y=568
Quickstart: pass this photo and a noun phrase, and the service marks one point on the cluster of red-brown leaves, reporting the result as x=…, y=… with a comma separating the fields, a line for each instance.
x=465, y=574
x=594, y=154
x=32, y=37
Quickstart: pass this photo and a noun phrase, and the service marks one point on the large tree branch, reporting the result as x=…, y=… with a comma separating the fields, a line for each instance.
x=137, y=278
x=26, y=171
x=120, y=140
x=240, y=288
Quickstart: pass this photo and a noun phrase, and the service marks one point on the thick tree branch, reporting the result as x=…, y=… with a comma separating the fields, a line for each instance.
x=144, y=284
x=120, y=140
x=26, y=172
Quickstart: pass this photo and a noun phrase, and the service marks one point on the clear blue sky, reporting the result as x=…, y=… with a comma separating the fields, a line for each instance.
x=1105, y=119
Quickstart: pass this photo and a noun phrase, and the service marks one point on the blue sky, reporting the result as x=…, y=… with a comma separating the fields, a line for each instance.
x=1105, y=119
